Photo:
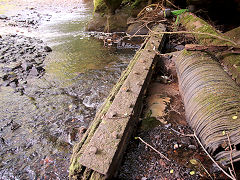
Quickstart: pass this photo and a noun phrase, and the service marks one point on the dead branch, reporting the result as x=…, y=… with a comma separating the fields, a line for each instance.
x=206, y=170
x=172, y=4
x=228, y=175
x=197, y=47
x=187, y=135
x=199, y=33
x=190, y=32
x=231, y=157
x=152, y=148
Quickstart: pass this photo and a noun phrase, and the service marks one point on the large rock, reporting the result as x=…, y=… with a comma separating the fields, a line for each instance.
x=3, y=16
x=117, y=22
x=103, y=5
x=112, y=5
x=136, y=28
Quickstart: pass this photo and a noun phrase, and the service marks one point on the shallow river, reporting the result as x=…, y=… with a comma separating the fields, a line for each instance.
x=39, y=125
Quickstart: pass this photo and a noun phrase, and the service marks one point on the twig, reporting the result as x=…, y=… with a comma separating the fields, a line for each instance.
x=152, y=148
x=206, y=170
x=174, y=110
x=200, y=33
x=231, y=155
x=231, y=177
x=189, y=32
x=211, y=48
x=141, y=27
x=172, y=4
x=188, y=135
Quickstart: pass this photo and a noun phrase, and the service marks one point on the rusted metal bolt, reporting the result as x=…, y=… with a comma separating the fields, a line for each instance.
x=93, y=150
x=137, y=73
x=115, y=135
x=113, y=114
x=131, y=105
x=128, y=89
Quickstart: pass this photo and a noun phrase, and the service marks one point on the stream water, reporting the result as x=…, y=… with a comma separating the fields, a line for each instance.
x=40, y=124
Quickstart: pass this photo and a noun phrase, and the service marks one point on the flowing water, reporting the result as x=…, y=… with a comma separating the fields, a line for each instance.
x=39, y=127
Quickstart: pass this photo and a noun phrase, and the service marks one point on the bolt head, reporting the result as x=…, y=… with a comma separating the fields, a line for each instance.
x=115, y=135
x=93, y=150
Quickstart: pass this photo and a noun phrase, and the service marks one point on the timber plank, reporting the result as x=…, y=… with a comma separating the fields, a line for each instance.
x=103, y=152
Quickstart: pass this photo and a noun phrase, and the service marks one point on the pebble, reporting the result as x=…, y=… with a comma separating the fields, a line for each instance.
x=168, y=125
x=3, y=16
x=192, y=146
x=13, y=85
x=47, y=49
x=34, y=72
x=26, y=66
x=175, y=146
x=15, y=126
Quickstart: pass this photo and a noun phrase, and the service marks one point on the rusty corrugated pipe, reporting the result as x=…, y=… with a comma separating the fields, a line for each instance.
x=212, y=103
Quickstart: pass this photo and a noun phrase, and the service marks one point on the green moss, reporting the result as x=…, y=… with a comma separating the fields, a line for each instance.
x=136, y=3
x=99, y=6
x=195, y=24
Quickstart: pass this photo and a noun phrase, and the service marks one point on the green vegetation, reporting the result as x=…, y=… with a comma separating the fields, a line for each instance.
x=99, y=6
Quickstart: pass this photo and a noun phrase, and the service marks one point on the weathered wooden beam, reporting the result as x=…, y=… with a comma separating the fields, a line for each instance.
x=196, y=24
x=100, y=151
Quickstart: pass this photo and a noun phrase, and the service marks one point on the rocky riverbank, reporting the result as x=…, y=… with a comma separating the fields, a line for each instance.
x=47, y=99
x=21, y=59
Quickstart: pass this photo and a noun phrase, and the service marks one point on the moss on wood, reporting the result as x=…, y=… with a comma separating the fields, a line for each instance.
x=196, y=24
x=76, y=170
x=75, y=167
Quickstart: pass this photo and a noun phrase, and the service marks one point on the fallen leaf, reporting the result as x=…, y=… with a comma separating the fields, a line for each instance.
x=171, y=171
x=223, y=133
x=192, y=172
x=234, y=117
x=193, y=161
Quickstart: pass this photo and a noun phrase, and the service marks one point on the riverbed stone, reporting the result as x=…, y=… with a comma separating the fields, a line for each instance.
x=47, y=49
x=26, y=65
x=5, y=83
x=136, y=28
x=34, y=71
x=13, y=85
x=2, y=16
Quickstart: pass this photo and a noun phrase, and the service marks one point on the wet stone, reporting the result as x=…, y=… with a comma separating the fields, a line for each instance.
x=192, y=147
x=13, y=85
x=26, y=66
x=3, y=16
x=5, y=83
x=47, y=49
x=15, y=126
x=34, y=71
